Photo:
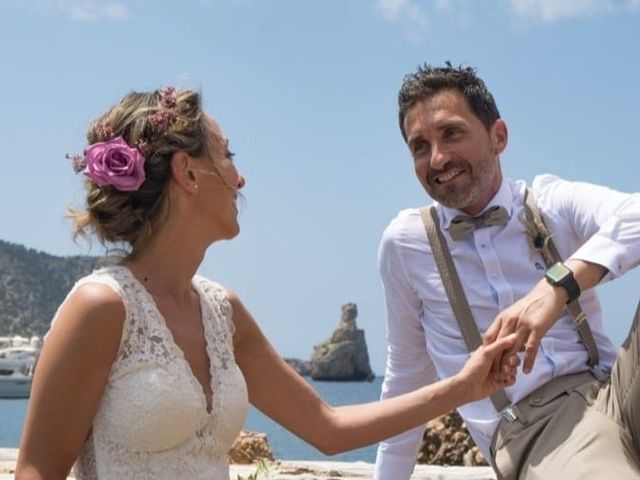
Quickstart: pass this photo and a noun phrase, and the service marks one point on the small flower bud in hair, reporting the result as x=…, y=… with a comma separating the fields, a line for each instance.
x=166, y=112
x=78, y=162
x=104, y=131
x=143, y=147
x=168, y=97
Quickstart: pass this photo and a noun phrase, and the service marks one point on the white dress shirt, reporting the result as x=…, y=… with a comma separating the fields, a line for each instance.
x=496, y=267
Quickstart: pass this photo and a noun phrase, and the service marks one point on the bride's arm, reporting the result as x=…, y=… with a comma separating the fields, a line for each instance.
x=279, y=392
x=70, y=377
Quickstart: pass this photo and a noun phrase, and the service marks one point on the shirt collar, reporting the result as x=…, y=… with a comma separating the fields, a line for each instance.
x=503, y=198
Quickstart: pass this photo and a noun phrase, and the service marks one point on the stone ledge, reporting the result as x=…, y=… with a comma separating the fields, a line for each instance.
x=311, y=470
x=321, y=470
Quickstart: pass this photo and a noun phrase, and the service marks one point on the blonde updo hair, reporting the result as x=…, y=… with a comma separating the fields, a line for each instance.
x=128, y=217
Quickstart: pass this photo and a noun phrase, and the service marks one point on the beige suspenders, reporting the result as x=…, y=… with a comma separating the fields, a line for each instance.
x=455, y=292
x=541, y=241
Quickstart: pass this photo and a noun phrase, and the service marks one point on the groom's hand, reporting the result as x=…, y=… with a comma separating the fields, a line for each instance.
x=529, y=319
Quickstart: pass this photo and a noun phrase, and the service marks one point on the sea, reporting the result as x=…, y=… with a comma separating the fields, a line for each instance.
x=284, y=444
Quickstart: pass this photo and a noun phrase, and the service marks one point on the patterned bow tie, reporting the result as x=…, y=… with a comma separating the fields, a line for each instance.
x=463, y=225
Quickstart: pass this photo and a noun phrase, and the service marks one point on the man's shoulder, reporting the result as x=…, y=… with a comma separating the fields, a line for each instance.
x=406, y=215
x=406, y=222
x=540, y=183
x=545, y=181
x=552, y=193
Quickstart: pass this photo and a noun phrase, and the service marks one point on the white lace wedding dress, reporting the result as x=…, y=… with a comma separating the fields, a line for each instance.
x=152, y=422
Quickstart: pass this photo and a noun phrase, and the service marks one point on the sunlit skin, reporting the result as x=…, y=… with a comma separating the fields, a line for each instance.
x=456, y=158
x=218, y=184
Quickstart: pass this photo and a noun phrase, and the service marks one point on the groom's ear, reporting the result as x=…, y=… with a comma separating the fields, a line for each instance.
x=499, y=136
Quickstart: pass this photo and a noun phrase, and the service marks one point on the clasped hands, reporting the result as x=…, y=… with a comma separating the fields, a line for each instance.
x=528, y=319
x=518, y=328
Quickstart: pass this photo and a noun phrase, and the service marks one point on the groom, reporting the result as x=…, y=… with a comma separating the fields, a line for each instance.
x=500, y=257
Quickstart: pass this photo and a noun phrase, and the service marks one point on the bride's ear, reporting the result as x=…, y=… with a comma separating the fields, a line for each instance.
x=183, y=173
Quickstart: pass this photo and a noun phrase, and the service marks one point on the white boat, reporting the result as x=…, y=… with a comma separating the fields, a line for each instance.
x=15, y=385
x=16, y=368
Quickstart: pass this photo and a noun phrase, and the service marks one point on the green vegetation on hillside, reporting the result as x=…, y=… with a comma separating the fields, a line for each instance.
x=32, y=285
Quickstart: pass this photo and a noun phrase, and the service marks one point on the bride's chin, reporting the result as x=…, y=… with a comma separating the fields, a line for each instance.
x=235, y=232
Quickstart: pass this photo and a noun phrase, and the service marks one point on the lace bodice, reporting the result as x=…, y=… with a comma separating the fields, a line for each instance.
x=152, y=421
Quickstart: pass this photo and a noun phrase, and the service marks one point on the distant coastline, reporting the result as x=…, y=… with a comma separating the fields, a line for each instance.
x=32, y=286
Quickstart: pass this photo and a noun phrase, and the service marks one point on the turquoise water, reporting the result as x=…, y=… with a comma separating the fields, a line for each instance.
x=285, y=445
x=12, y=413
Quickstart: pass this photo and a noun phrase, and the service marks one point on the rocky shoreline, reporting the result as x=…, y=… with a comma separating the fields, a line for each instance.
x=446, y=442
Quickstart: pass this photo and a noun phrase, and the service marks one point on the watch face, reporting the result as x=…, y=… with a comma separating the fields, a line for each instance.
x=557, y=272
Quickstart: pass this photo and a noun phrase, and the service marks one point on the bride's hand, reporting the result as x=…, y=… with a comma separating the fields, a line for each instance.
x=477, y=374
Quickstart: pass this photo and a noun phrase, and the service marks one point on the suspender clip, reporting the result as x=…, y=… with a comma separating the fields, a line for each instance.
x=600, y=374
x=509, y=415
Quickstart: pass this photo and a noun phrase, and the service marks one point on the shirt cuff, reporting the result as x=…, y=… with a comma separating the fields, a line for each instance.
x=606, y=252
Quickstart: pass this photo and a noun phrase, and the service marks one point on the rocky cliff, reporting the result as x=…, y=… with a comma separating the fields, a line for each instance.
x=344, y=356
x=32, y=285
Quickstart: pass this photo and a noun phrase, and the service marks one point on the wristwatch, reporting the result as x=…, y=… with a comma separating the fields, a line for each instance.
x=560, y=275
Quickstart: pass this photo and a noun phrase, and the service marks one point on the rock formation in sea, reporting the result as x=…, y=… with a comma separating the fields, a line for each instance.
x=446, y=441
x=344, y=356
x=250, y=447
x=303, y=367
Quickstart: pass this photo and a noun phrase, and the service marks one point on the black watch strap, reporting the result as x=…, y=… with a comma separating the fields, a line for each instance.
x=562, y=276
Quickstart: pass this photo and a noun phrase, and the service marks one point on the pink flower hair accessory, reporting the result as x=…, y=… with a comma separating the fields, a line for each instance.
x=114, y=163
x=78, y=162
x=103, y=129
x=166, y=112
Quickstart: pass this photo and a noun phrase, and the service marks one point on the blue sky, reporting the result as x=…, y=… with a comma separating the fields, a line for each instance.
x=306, y=93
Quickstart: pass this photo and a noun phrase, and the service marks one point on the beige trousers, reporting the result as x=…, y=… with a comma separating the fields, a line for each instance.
x=576, y=427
